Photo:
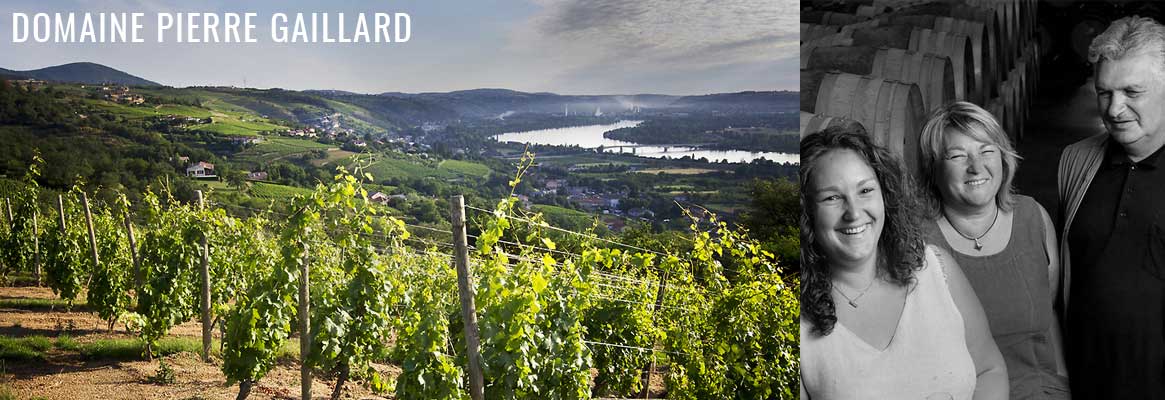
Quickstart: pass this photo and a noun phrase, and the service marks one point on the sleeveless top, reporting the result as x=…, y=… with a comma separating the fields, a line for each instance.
x=1013, y=287
x=927, y=357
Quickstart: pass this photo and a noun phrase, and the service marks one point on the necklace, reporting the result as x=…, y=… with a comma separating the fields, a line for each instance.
x=854, y=301
x=978, y=244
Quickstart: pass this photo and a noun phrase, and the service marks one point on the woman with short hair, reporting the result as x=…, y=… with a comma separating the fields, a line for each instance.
x=1004, y=242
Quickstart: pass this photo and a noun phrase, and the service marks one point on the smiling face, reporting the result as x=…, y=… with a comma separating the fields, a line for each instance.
x=972, y=171
x=1130, y=92
x=848, y=209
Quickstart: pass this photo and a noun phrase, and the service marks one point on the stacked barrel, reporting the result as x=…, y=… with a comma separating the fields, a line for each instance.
x=886, y=64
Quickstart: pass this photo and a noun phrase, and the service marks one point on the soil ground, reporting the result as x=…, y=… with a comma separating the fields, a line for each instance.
x=67, y=375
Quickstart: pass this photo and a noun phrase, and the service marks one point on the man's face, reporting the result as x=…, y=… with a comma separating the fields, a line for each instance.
x=1130, y=92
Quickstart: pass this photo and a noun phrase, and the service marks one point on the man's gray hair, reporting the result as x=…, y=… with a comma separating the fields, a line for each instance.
x=1127, y=36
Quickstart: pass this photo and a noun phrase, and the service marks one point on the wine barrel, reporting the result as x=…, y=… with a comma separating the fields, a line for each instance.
x=1007, y=101
x=998, y=109
x=896, y=4
x=1008, y=18
x=1023, y=23
x=891, y=111
x=849, y=29
x=1032, y=8
x=853, y=6
x=831, y=18
x=1031, y=58
x=956, y=47
x=987, y=17
x=932, y=73
x=982, y=47
x=829, y=41
x=868, y=11
x=1017, y=79
x=812, y=123
x=1011, y=95
x=811, y=32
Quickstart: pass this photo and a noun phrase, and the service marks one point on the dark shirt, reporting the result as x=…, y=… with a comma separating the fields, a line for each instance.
x=1116, y=327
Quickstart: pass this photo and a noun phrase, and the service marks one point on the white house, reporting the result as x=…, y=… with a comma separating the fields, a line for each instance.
x=379, y=197
x=202, y=169
x=383, y=198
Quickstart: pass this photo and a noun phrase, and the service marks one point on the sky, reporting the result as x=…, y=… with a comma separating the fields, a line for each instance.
x=677, y=47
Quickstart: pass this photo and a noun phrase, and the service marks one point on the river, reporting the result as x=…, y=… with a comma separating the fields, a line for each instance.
x=591, y=137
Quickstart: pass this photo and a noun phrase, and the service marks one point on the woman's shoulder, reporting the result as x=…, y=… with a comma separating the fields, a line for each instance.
x=808, y=334
x=936, y=261
x=1025, y=202
x=1030, y=213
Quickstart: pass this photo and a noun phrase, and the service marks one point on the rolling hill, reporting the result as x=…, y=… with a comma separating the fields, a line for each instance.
x=378, y=114
x=80, y=72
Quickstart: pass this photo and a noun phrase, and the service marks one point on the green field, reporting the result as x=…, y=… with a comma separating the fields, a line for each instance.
x=129, y=112
x=180, y=109
x=466, y=168
x=564, y=217
x=236, y=127
x=276, y=147
x=289, y=145
x=583, y=160
x=333, y=155
x=386, y=168
x=231, y=121
x=273, y=191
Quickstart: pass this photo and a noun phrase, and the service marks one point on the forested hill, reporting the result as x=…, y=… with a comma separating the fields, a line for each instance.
x=493, y=102
x=380, y=114
x=80, y=72
x=743, y=101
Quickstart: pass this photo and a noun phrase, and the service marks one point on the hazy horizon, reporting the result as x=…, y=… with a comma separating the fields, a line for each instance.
x=568, y=47
x=411, y=93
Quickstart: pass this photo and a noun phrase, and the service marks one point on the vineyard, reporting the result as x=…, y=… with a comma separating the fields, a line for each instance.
x=496, y=307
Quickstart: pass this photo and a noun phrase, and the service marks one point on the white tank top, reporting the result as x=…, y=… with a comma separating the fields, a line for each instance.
x=927, y=358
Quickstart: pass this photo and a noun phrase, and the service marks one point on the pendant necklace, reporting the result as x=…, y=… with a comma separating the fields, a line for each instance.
x=978, y=243
x=854, y=301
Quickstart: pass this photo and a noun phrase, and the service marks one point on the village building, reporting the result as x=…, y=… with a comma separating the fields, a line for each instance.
x=202, y=169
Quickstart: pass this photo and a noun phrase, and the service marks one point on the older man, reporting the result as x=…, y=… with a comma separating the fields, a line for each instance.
x=1112, y=198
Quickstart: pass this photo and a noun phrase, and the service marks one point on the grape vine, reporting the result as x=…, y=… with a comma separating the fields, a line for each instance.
x=64, y=248
x=553, y=324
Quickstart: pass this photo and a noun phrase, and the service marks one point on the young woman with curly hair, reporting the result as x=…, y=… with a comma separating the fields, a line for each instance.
x=883, y=315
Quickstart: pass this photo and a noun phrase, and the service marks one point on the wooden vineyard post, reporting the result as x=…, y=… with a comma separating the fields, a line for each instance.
x=205, y=270
x=61, y=211
x=468, y=310
x=133, y=253
x=658, y=304
x=36, y=244
x=92, y=236
x=304, y=329
x=11, y=222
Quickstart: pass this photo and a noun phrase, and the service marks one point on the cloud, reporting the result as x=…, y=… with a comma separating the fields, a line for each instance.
x=584, y=37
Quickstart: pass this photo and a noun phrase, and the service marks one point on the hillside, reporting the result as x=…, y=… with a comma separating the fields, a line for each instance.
x=80, y=72
x=495, y=102
x=393, y=112
x=743, y=101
